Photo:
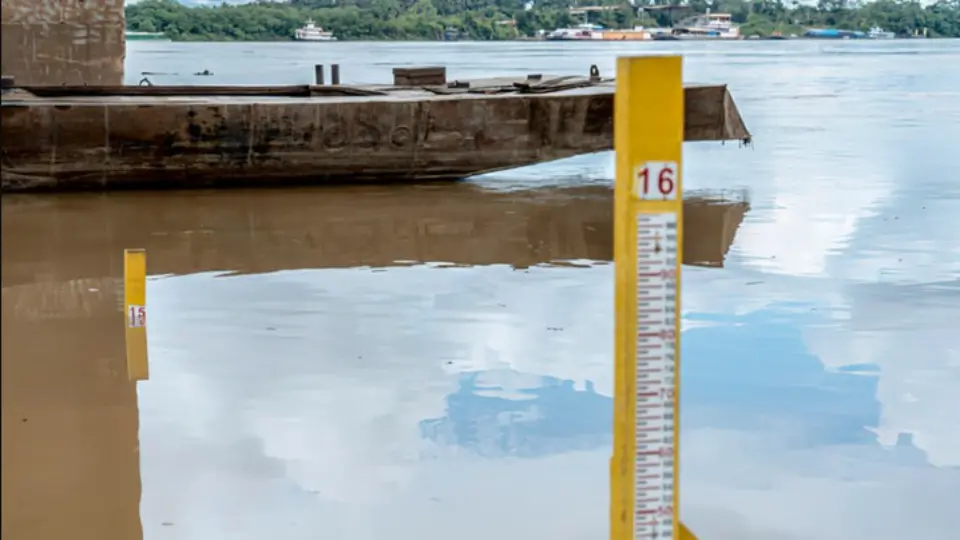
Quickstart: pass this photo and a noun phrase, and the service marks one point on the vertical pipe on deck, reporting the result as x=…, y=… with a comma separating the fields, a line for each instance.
x=318, y=74
x=334, y=73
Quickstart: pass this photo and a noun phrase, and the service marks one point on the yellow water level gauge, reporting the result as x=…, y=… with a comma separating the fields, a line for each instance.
x=648, y=243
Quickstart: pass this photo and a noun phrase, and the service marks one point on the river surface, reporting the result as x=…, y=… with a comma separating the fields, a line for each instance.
x=433, y=362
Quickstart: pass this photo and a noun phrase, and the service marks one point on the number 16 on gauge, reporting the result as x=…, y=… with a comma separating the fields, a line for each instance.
x=655, y=180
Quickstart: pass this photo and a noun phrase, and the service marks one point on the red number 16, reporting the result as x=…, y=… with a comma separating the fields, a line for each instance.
x=665, y=181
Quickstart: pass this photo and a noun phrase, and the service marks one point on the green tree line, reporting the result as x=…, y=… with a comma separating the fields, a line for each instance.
x=512, y=19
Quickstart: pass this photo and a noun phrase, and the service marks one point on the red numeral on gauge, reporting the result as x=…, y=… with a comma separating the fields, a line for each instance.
x=665, y=180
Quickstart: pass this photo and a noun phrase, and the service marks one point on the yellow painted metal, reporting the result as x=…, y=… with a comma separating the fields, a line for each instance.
x=648, y=131
x=686, y=534
x=135, y=313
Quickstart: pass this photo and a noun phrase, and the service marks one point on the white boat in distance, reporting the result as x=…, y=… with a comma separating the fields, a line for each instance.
x=581, y=32
x=312, y=32
x=706, y=26
x=879, y=33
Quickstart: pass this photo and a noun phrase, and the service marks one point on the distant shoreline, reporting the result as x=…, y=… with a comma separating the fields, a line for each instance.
x=493, y=20
x=540, y=40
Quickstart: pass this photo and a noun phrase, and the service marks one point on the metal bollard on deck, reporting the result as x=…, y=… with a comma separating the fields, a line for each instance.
x=595, y=73
x=318, y=74
x=334, y=74
x=648, y=246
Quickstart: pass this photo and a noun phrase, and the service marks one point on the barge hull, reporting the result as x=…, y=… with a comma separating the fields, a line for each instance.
x=128, y=138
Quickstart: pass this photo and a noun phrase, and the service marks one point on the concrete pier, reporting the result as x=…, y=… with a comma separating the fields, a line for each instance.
x=126, y=137
x=55, y=42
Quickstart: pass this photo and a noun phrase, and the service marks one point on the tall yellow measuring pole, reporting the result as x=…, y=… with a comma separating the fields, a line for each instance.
x=648, y=135
x=135, y=312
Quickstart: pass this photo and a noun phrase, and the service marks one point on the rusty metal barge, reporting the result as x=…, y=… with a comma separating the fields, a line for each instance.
x=57, y=138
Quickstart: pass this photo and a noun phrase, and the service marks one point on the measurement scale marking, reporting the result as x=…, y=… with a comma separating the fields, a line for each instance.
x=654, y=373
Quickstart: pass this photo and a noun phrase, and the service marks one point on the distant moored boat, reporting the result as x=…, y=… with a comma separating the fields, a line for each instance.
x=879, y=33
x=582, y=32
x=833, y=33
x=312, y=32
x=146, y=36
x=706, y=26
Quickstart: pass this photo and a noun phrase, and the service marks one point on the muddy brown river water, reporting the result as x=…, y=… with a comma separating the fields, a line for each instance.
x=432, y=362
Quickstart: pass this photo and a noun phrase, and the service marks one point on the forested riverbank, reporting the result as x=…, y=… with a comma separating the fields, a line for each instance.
x=512, y=19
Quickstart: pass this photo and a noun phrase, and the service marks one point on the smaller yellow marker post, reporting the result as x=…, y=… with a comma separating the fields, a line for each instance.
x=648, y=242
x=135, y=312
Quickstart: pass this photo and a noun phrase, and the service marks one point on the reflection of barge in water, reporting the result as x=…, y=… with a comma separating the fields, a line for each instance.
x=376, y=226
